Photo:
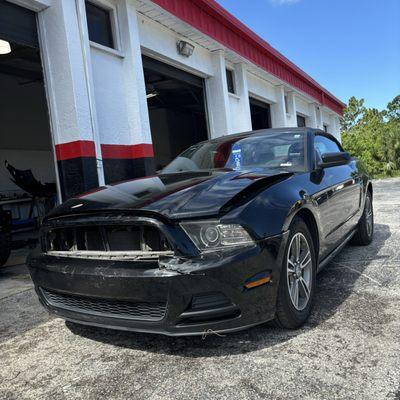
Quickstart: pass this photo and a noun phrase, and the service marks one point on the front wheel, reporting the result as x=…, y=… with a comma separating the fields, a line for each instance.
x=297, y=281
x=365, y=227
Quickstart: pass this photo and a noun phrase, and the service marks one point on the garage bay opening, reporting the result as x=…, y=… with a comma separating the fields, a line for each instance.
x=27, y=167
x=260, y=114
x=177, y=113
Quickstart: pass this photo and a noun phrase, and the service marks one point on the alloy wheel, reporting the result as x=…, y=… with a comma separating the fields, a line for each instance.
x=369, y=215
x=299, y=271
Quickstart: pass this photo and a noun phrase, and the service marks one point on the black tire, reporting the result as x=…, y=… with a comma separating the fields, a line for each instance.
x=5, y=247
x=365, y=227
x=287, y=316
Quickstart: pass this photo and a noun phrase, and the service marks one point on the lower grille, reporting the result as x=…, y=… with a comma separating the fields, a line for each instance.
x=106, y=308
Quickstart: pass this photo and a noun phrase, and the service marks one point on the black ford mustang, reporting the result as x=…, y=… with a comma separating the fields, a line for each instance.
x=229, y=235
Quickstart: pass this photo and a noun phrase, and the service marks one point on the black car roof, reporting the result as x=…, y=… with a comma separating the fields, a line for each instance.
x=261, y=132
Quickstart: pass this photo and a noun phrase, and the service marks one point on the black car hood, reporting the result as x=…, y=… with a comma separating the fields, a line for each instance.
x=179, y=195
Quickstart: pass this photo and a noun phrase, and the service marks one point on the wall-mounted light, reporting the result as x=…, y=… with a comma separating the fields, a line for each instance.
x=150, y=95
x=5, y=47
x=184, y=48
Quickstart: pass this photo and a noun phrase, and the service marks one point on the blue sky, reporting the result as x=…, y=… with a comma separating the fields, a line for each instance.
x=351, y=47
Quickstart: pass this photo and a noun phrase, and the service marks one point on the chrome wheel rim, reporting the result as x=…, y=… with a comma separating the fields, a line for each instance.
x=369, y=218
x=299, y=271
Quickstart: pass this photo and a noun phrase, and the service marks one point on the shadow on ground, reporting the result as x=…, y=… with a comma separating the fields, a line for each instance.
x=333, y=287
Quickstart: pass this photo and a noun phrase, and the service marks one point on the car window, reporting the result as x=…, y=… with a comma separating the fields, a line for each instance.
x=323, y=144
x=278, y=150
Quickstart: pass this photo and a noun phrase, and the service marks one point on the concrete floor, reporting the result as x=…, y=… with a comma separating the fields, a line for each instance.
x=349, y=349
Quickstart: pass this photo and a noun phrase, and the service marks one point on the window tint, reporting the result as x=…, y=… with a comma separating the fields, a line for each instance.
x=99, y=25
x=230, y=80
x=323, y=145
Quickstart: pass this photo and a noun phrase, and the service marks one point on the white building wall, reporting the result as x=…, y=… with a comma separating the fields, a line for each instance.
x=118, y=82
x=261, y=89
x=99, y=95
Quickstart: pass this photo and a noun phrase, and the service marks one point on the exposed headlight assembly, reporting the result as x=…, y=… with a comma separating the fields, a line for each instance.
x=212, y=235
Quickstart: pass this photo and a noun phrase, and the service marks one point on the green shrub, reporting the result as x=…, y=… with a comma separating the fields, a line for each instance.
x=373, y=136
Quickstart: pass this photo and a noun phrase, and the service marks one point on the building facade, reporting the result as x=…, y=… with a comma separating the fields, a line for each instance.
x=129, y=84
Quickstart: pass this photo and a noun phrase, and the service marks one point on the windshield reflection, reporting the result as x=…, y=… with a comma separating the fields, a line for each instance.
x=279, y=150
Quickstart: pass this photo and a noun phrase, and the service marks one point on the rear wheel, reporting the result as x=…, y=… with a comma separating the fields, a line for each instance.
x=297, y=282
x=365, y=228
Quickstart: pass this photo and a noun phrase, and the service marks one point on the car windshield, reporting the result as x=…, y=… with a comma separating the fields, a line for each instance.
x=278, y=150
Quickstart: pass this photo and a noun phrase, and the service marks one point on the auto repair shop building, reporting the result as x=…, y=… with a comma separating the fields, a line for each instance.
x=99, y=91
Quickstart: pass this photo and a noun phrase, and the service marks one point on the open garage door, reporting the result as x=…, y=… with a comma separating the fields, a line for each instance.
x=176, y=109
x=260, y=114
x=27, y=167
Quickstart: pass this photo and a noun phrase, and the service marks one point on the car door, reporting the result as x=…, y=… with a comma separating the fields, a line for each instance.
x=340, y=194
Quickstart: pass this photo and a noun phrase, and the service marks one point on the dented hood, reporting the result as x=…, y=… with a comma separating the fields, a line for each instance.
x=178, y=195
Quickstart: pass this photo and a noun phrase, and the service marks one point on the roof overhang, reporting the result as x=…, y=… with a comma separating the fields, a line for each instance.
x=208, y=17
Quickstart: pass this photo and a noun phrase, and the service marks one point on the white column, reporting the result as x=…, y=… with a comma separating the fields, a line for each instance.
x=241, y=115
x=135, y=89
x=291, y=120
x=66, y=78
x=278, y=109
x=336, y=127
x=312, y=119
x=320, y=124
x=217, y=98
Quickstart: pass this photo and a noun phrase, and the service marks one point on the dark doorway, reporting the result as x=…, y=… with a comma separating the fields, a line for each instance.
x=177, y=113
x=301, y=121
x=27, y=165
x=260, y=114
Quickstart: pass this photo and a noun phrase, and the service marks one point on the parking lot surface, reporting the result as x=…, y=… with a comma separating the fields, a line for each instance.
x=349, y=349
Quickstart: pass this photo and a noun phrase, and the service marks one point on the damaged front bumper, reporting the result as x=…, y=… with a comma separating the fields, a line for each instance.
x=173, y=296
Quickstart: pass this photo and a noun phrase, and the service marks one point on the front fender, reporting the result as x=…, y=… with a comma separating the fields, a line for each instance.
x=272, y=211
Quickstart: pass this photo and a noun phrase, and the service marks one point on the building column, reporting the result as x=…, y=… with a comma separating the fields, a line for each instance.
x=336, y=127
x=312, y=119
x=291, y=120
x=320, y=124
x=278, y=109
x=77, y=147
x=218, y=99
x=128, y=153
x=242, y=116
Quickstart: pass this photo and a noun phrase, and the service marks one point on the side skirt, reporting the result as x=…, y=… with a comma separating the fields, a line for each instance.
x=322, y=264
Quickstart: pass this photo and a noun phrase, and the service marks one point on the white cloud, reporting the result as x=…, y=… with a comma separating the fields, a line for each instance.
x=284, y=2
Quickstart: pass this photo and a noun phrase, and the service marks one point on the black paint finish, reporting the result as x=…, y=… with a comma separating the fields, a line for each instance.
x=264, y=202
x=77, y=175
x=120, y=169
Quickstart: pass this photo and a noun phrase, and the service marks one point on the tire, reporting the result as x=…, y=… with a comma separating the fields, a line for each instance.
x=5, y=247
x=288, y=315
x=365, y=227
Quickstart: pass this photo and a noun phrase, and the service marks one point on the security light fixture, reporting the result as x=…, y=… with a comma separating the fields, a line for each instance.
x=5, y=47
x=184, y=48
x=152, y=94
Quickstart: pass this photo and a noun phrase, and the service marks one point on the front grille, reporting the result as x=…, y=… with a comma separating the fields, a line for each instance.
x=106, y=308
x=99, y=241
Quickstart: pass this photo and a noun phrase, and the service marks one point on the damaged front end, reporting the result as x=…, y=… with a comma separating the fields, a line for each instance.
x=149, y=274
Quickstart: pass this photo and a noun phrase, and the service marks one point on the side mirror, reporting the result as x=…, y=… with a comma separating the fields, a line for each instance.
x=333, y=159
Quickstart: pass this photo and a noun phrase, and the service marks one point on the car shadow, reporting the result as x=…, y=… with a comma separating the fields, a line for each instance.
x=328, y=298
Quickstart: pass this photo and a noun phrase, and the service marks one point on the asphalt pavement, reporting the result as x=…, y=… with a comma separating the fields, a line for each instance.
x=349, y=349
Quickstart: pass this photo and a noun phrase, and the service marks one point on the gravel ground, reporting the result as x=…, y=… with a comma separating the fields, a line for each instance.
x=349, y=349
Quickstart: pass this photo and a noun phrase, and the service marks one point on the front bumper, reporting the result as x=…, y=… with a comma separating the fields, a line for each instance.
x=173, y=297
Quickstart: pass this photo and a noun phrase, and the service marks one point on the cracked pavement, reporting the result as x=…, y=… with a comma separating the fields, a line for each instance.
x=349, y=349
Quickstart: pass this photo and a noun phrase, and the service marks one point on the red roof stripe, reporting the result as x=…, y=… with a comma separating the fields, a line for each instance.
x=213, y=20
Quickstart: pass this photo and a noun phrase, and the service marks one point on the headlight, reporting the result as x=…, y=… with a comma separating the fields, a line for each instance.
x=212, y=235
